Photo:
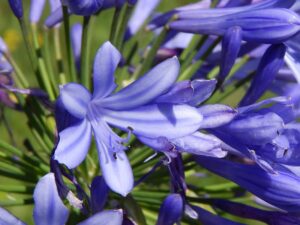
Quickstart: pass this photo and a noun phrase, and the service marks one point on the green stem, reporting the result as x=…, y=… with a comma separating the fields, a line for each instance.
x=148, y=61
x=21, y=79
x=193, y=68
x=48, y=59
x=45, y=78
x=25, y=34
x=123, y=25
x=71, y=61
x=85, y=54
x=58, y=57
x=114, y=25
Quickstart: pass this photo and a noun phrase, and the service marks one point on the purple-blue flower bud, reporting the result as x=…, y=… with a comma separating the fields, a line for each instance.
x=269, y=66
x=171, y=210
x=84, y=7
x=17, y=7
x=264, y=26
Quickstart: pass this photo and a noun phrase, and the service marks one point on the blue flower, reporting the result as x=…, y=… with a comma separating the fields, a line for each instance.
x=50, y=210
x=262, y=25
x=193, y=93
x=131, y=109
x=280, y=189
x=202, y=10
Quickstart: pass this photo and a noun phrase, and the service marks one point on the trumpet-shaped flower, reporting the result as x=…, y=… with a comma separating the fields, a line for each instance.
x=278, y=189
x=132, y=109
x=262, y=25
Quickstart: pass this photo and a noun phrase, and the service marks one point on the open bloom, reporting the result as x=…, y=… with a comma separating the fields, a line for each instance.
x=132, y=109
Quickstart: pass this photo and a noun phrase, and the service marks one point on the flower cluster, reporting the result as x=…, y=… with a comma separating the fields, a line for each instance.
x=182, y=116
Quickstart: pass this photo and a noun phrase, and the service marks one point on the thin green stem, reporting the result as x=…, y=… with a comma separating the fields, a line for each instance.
x=71, y=61
x=45, y=78
x=58, y=57
x=193, y=68
x=123, y=25
x=85, y=54
x=114, y=25
x=48, y=59
x=148, y=61
x=23, y=83
x=25, y=34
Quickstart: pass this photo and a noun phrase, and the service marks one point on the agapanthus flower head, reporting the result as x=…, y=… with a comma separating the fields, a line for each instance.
x=16, y=7
x=132, y=109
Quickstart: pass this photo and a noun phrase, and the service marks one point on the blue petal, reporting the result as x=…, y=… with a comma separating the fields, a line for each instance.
x=159, y=144
x=246, y=211
x=99, y=194
x=106, y=62
x=115, y=165
x=171, y=210
x=109, y=217
x=231, y=44
x=142, y=11
x=258, y=105
x=3, y=46
x=36, y=10
x=216, y=115
x=75, y=99
x=63, y=118
x=54, y=4
x=55, y=18
x=202, y=90
x=76, y=36
x=200, y=144
x=191, y=92
x=254, y=128
x=49, y=208
x=181, y=92
x=280, y=189
x=8, y=219
x=269, y=66
x=74, y=143
x=84, y=7
x=156, y=82
x=216, y=12
x=153, y=121
x=264, y=26
x=206, y=217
